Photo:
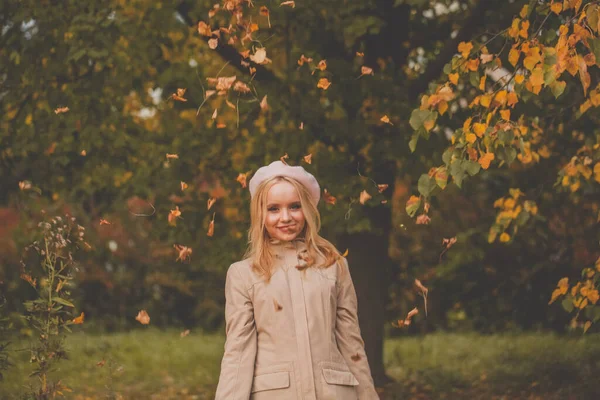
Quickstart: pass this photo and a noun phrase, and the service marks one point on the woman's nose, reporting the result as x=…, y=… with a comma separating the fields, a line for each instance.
x=285, y=215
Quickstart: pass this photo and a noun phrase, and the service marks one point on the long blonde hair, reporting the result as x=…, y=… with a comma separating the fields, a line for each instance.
x=259, y=245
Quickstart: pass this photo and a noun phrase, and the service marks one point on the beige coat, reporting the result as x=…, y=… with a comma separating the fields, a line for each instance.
x=294, y=338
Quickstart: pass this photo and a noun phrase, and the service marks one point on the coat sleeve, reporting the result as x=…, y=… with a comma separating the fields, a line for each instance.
x=347, y=333
x=237, y=366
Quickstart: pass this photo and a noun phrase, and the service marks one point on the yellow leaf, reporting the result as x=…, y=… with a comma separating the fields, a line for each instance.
x=467, y=124
x=485, y=100
x=513, y=31
x=429, y=124
x=524, y=28
x=471, y=138
x=442, y=107
x=482, y=83
x=479, y=128
x=519, y=79
x=505, y=114
x=512, y=99
x=556, y=7
x=486, y=160
x=465, y=48
x=505, y=237
x=453, y=78
x=524, y=11
x=586, y=326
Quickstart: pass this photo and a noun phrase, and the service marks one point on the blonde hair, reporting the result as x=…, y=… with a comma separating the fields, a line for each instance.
x=259, y=242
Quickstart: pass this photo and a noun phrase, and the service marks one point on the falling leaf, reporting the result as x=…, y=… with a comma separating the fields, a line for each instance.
x=283, y=158
x=422, y=288
x=184, y=333
x=204, y=29
x=366, y=71
x=364, y=197
x=83, y=153
x=288, y=3
x=303, y=60
x=385, y=119
x=104, y=222
x=242, y=179
x=382, y=186
x=220, y=125
x=79, y=320
x=323, y=83
x=423, y=219
x=308, y=158
x=321, y=66
x=359, y=54
x=265, y=12
x=172, y=156
x=213, y=43
x=183, y=185
x=449, y=242
x=61, y=110
x=301, y=127
x=101, y=363
x=184, y=252
x=211, y=227
x=260, y=56
x=214, y=114
x=329, y=199
x=210, y=203
x=173, y=215
x=263, y=104
x=412, y=313
x=143, y=317
x=179, y=95
x=345, y=253
x=24, y=185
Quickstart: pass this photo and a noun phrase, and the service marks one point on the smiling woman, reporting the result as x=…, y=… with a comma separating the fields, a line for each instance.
x=291, y=309
x=285, y=219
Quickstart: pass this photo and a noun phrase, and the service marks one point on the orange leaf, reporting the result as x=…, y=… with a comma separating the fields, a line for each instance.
x=329, y=199
x=308, y=158
x=183, y=185
x=204, y=29
x=263, y=104
x=464, y=48
x=104, y=222
x=211, y=227
x=479, y=128
x=61, y=110
x=366, y=71
x=382, y=186
x=556, y=7
x=210, y=203
x=173, y=215
x=184, y=252
x=288, y=3
x=453, y=78
x=364, y=197
x=179, y=95
x=486, y=159
x=505, y=114
x=79, y=320
x=172, y=156
x=242, y=179
x=385, y=119
x=143, y=317
x=323, y=83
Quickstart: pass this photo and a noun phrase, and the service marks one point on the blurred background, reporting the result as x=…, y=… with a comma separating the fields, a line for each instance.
x=94, y=125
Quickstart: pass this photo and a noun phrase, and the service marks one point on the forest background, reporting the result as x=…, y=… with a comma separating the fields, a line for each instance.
x=457, y=144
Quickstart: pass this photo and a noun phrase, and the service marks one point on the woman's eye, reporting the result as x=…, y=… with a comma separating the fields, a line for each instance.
x=272, y=209
x=296, y=206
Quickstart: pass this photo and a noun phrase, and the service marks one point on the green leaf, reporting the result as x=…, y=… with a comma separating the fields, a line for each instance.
x=595, y=47
x=413, y=142
x=441, y=177
x=426, y=185
x=471, y=167
x=558, y=87
x=418, y=117
x=63, y=302
x=412, y=207
x=567, y=304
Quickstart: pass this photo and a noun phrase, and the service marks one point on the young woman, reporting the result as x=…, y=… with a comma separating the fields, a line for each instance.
x=291, y=310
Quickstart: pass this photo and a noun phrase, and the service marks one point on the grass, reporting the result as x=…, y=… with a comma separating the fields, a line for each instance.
x=156, y=364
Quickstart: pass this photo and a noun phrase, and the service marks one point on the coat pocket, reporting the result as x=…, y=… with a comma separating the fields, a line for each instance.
x=273, y=382
x=338, y=382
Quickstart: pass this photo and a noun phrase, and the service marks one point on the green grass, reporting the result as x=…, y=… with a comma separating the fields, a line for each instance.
x=149, y=363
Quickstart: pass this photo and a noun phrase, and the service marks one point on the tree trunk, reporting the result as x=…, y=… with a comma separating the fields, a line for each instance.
x=369, y=266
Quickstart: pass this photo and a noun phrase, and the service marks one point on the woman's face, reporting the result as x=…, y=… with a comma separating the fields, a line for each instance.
x=284, y=216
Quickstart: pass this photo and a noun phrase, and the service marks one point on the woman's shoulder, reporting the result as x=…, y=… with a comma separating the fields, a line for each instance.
x=243, y=269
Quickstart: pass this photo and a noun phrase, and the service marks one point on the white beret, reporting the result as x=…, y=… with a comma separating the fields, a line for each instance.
x=278, y=168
